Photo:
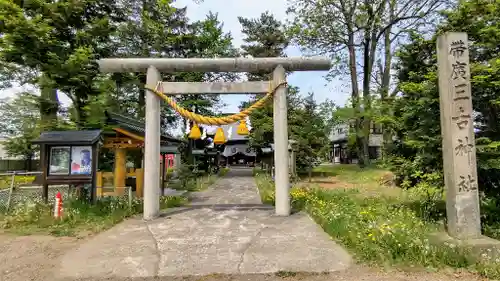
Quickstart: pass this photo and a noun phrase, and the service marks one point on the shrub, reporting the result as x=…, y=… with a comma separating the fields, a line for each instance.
x=78, y=215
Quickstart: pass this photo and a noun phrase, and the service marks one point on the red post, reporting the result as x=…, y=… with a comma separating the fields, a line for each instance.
x=58, y=206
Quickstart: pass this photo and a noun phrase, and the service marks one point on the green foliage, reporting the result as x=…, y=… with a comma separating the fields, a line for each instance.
x=311, y=138
x=354, y=33
x=20, y=123
x=417, y=151
x=79, y=217
x=266, y=186
x=416, y=156
x=60, y=40
x=264, y=37
x=381, y=229
x=158, y=29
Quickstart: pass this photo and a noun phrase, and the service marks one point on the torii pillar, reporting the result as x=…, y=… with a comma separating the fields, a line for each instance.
x=153, y=67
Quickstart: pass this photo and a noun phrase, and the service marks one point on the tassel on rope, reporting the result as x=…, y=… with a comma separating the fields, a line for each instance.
x=242, y=128
x=195, y=132
x=219, y=137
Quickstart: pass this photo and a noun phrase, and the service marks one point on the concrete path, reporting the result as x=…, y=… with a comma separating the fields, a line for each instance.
x=225, y=230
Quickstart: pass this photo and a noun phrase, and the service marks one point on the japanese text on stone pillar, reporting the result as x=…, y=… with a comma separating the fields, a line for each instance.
x=462, y=117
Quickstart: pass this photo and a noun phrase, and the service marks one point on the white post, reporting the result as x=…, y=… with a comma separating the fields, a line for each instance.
x=457, y=130
x=282, y=204
x=152, y=148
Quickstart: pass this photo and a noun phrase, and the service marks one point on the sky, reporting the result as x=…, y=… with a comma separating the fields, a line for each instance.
x=228, y=12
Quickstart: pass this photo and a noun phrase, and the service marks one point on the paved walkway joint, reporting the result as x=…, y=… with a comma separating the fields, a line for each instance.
x=225, y=230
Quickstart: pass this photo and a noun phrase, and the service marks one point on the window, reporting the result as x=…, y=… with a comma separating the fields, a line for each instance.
x=74, y=160
x=81, y=160
x=59, y=160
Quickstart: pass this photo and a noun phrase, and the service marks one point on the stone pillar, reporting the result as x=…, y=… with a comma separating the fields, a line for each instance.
x=457, y=130
x=152, y=148
x=282, y=182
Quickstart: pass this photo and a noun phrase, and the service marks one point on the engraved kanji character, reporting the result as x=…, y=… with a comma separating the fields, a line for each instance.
x=459, y=70
x=464, y=148
x=467, y=184
x=462, y=120
x=461, y=92
x=457, y=48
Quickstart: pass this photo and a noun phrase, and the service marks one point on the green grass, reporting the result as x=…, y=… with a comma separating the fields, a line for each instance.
x=352, y=173
x=79, y=218
x=381, y=228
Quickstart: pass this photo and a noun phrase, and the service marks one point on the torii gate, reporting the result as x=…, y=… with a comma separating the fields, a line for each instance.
x=153, y=67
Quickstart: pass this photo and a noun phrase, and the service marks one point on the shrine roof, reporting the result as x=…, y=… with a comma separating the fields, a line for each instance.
x=134, y=126
x=80, y=137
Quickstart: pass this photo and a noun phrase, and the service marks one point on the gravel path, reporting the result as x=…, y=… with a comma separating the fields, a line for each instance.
x=24, y=258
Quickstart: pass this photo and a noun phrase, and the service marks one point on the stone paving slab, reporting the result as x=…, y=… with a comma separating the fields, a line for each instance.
x=203, y=239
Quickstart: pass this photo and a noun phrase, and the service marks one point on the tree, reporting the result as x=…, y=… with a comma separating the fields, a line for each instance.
x=20, y=123
x=59, y=41
x=264, y=37
x=417, y=152
x=153, y=29
x=417, y=156
x=157, y=29
x=349, y=31
x=311, y=138
x=210, y=41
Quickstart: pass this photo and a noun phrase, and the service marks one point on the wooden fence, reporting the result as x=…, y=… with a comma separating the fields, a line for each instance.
x=18, y=165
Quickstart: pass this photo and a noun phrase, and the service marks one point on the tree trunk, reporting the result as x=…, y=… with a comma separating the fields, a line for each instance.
x=355, y=96
x=386, y=78
x=141, y=106
x=29, y=165
x=49, y=103
x=80, y=114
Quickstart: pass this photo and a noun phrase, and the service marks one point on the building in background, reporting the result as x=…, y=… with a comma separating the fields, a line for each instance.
x=340, y=152
x=237, y=150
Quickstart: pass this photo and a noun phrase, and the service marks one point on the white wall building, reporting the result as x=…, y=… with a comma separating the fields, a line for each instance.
x=339, y=139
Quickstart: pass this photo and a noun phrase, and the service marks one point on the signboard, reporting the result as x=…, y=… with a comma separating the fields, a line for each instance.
x=70, y=160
